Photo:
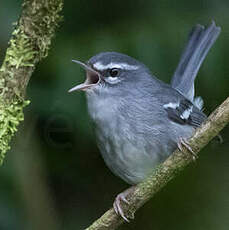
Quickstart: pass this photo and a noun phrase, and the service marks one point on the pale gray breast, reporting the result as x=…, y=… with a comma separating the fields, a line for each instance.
x=127, y=153
x=132, y=144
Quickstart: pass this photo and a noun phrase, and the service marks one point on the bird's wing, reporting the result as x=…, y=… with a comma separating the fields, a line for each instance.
x=184, y=112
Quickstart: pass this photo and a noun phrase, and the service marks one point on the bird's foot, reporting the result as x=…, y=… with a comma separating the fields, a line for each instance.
x=117, y=205
x=184, y=143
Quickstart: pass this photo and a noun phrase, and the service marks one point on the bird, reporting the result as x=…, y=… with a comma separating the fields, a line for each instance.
x=139, y=120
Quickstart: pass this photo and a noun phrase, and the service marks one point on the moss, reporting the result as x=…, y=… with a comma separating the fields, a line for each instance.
x=30, y=42
x=42, y=18
x=20, y=52
x=10, y=117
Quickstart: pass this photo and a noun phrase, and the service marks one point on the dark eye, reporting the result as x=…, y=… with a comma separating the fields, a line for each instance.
x=114, y=72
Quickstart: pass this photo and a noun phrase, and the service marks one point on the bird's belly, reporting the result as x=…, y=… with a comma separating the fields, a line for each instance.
x=133, y=158
x=131, y=161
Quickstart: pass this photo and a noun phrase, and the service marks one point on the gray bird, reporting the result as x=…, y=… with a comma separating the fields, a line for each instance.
x=140, y=120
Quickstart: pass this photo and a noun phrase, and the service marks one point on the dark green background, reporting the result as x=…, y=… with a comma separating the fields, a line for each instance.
x=54, y=176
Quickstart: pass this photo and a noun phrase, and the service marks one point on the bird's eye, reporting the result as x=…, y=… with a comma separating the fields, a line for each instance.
x=114, y=72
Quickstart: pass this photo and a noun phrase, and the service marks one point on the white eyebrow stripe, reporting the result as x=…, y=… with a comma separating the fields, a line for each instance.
x=100, y=66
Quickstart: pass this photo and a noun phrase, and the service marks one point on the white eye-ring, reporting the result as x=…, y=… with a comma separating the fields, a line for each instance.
x=113, y=76
x=112, y=80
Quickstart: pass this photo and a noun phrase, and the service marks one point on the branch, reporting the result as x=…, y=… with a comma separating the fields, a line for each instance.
x=167, y=170
x=29, y=44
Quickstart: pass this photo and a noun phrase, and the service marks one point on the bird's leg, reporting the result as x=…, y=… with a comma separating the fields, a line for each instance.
x=183, y=142
x=121, y=197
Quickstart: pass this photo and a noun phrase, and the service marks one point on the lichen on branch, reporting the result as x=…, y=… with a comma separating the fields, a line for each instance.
x=10, y=116
x=29, y=44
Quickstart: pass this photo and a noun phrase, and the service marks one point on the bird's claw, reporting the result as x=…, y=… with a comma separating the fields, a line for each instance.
x=122, y=199
x=183, y=142
x=117, y=205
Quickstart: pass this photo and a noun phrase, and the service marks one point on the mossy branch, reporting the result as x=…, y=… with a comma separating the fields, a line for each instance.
x=168, y=170
x=29, y=43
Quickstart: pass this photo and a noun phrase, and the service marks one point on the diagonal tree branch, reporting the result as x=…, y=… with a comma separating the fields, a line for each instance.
x=29, y=44
x=168, y=170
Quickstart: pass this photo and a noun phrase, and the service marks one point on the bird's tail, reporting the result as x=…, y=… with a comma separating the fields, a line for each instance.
x=200, y=41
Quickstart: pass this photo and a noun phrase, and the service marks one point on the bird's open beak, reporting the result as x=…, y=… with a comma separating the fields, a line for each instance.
x=93, y=78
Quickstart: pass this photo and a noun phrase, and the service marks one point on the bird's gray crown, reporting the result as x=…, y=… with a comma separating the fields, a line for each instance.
x=109, y=60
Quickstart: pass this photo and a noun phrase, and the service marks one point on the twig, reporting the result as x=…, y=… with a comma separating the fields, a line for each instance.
x=168, y=170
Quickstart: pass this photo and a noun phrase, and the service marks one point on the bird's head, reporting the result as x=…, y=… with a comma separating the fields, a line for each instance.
x=111, y=70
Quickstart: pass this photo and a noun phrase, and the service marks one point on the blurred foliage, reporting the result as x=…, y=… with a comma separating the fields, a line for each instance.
x=54, y=177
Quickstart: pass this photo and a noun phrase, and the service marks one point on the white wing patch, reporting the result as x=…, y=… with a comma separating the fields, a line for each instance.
x=185, y=115
x=101, y=67
x=171, y=105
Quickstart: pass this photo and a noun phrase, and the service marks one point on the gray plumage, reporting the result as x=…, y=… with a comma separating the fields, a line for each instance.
x=139, y=119
x=200, y=41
